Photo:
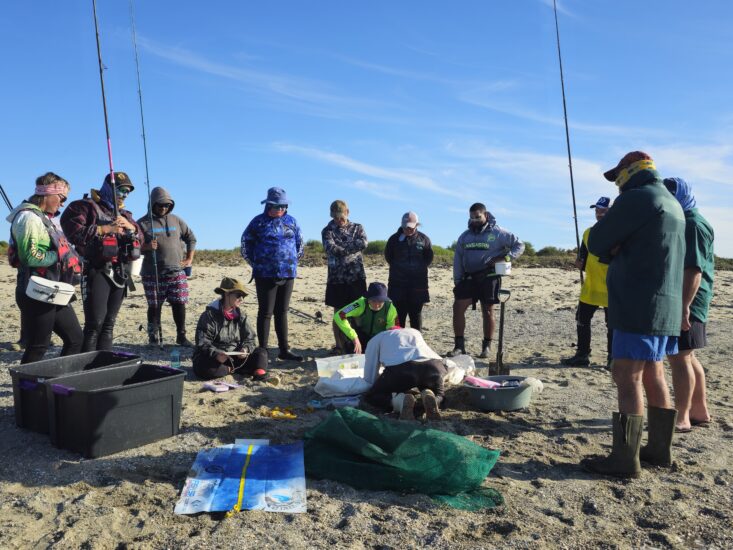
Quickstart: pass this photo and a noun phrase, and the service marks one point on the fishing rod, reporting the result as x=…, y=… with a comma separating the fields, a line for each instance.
x=6, y=199
x=104, y=108
x=147, y=174
x=567, y=133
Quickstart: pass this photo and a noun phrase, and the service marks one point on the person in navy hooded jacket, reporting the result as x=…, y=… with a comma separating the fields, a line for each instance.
x=272, y=245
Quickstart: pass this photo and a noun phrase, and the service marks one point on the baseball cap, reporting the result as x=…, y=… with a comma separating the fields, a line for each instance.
x=409, y=219
x=627, y=160
x=603, y=202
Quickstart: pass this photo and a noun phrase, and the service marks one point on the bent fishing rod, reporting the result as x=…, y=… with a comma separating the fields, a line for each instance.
x=567, y=134
x=147, y=174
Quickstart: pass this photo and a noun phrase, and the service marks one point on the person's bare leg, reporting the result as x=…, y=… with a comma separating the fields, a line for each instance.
x=487, y=314
x=627, y=374
x=683, y=381
x=699, y=404
x=459, y=316
x=655, y=385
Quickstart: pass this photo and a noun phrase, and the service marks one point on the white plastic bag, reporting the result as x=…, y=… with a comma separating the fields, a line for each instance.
x=343, y=382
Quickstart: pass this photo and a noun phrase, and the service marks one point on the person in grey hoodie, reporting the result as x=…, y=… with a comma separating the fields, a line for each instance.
x=478, y=248
x=164, y=233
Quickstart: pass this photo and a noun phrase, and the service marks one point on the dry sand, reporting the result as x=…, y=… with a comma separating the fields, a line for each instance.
x=52, y=498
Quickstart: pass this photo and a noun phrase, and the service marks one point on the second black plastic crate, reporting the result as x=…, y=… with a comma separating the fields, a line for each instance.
x=29, y=393
x=101, y=412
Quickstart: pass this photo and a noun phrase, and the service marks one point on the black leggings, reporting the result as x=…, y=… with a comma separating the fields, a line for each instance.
x=410, y=308
x=102, y=302
x=273, y=297
x=583, y=317
x=39, y=319
x=423, y=375
x=207, y=367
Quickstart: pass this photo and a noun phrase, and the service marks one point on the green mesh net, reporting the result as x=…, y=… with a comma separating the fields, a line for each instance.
x=361, y=450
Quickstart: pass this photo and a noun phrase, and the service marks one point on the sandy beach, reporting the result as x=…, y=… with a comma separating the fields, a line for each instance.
x=52, y=498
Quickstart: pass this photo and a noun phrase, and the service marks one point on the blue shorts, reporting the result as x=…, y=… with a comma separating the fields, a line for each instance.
x=642, y=347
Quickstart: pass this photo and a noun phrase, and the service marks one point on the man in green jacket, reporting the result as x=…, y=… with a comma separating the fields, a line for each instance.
x=365, y=317
x=688, y=376
x=643, y=237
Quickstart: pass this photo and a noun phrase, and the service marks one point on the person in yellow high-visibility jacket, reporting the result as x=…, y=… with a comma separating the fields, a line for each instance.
x=593, y=294
x=365, y=317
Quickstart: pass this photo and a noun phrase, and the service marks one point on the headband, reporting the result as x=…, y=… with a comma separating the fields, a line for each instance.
x=56, y=188
x=635, y=167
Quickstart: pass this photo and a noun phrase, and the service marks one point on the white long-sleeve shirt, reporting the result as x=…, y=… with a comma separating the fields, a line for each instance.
x=394, y=347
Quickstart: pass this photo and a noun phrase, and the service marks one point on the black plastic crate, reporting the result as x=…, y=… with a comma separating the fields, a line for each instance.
x=29, y=394
x=101, y=412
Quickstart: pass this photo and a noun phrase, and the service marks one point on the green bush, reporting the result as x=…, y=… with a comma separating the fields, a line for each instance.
x=553, y=251
x=529, y=249
x=376, y=247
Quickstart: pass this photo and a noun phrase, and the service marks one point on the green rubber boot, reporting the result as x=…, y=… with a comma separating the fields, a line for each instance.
x=624, y=458
x=658, y=448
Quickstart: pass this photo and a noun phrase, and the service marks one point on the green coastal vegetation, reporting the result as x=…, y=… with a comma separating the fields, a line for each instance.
x=549, y=256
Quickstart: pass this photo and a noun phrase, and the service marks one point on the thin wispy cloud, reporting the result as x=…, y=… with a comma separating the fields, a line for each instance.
x=696, y=163
x=481, y=97
x=413, y=178
x=560, y=8
x=271, y=84
x=380, y=190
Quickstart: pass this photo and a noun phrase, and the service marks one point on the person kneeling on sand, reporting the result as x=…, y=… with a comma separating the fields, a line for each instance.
x=225, y=342
x=409, y=364
x=359, y=321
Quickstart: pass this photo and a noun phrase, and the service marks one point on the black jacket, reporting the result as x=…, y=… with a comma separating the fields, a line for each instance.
x=408, y=259
x=215, y=333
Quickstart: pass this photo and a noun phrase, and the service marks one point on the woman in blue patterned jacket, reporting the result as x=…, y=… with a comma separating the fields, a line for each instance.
x=272, y=245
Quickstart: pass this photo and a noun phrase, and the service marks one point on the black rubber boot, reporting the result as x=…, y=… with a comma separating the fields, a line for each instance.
x=485, y=349
x=624, y=458
x=459, y=348
x=660, y=428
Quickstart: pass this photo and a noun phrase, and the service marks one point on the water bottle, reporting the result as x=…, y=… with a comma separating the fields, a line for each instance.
x=176, y=358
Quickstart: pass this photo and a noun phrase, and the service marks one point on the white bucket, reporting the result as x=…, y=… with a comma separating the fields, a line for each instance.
x=136, y=267
x=329, y=365
x=51, y=292
x=503, y=268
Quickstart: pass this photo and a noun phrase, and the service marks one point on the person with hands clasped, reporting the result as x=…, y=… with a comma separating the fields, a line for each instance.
x=225, y=341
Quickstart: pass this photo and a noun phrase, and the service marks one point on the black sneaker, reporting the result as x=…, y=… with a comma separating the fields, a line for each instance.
x=181, y=340
x=577, y=360
x=287, y=355
x=485, y=349
x=459, y=348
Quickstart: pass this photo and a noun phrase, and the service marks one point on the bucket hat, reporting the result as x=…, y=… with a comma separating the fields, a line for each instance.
x=276, y=195
x=231, y=285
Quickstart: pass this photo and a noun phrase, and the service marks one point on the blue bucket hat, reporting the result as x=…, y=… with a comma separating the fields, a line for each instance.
x=276, y=195
x=603, y=202
x=377, y=292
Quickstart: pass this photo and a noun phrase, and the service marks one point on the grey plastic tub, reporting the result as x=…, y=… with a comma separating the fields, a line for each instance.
x=500, y=399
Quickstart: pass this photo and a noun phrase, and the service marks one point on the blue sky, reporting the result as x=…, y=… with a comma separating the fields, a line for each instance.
x=392, y=106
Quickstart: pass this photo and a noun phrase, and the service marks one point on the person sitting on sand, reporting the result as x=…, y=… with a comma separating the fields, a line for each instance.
x=409, y=364
x=593, y=294
x=360, y=320
x=225, y=342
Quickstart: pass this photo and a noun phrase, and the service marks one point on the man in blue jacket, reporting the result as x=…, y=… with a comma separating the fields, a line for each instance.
x=478, y=248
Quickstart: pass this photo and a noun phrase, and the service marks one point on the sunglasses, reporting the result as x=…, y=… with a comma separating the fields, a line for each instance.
x=123, y=191
x=163, y=205
x=62, y=199
x=278, y=207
